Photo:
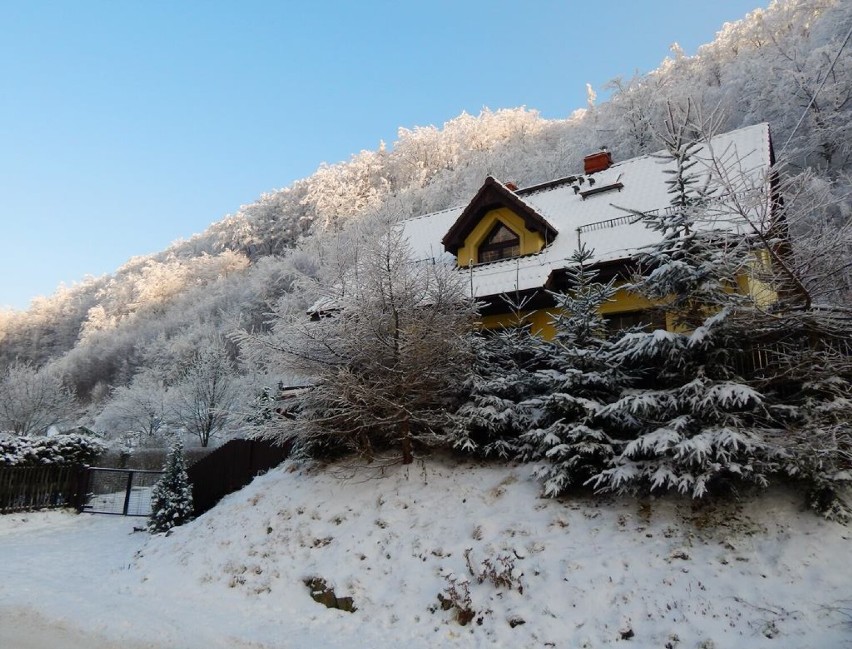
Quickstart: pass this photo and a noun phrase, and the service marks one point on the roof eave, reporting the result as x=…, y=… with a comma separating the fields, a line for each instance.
x=491, y=195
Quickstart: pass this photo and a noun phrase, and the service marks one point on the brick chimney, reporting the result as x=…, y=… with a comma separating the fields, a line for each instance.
x=597, y=162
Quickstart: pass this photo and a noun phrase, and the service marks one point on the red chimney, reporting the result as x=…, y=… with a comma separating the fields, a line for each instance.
x=597, y=162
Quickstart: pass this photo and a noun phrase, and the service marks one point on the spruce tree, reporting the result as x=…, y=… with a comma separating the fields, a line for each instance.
x=573, y=432
x=501, y=391
x=171, y=500
x=699, y=422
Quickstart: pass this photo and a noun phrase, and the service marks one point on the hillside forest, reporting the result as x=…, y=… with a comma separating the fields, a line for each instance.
x=175, y=340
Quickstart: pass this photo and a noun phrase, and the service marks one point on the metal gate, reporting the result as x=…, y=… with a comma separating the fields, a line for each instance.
x=124, y=492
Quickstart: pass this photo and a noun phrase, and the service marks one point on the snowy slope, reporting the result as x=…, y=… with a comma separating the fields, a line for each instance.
x=651, y=573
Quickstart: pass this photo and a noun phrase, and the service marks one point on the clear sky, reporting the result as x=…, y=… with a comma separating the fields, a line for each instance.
x=125, y=125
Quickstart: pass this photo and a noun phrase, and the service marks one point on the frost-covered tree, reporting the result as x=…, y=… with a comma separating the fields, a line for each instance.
x=575, y=434
x=203, y=400
x=32, y=399
x=701, y=426
x=384, y=351
x=139, y=409
x=689, y=270
x=788, y=336
x=171, y=498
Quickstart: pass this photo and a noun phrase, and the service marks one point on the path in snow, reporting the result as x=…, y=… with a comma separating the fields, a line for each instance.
x=69, y=581
x=22, y=629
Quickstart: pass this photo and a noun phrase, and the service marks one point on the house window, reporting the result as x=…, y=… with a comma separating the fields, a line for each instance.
x=501, y=243
x=644, y=320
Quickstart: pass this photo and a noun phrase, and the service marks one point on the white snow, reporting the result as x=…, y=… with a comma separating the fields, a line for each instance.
x=644, y=189
x=762, y=574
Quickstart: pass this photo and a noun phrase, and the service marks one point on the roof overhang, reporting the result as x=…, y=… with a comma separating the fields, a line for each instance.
x=493, y=195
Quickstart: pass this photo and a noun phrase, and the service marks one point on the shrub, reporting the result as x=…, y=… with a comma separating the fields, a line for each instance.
x=59, y=449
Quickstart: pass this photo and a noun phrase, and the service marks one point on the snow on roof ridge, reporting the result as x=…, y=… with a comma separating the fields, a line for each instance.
x=556, y=182
x=430, y=214
x=603, y=225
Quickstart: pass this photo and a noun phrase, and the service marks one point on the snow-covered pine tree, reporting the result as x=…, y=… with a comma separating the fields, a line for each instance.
x=699, y=421
x=500, y=391
x=171, y=500
x=795, y=345
x=688, y=268
x=572, y=431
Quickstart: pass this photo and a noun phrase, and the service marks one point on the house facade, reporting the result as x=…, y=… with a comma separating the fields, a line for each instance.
x=516, y=243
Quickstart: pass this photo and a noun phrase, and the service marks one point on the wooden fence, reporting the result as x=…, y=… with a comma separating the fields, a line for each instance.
x=38, y=487
x=231, y=467
x=791, y=357
x=225, y=470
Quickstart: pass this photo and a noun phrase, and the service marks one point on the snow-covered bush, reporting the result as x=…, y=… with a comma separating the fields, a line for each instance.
x=18, y=450
x=810, y=384
x=171, y=500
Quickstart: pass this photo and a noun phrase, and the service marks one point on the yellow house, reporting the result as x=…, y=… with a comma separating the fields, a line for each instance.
x=517, y=242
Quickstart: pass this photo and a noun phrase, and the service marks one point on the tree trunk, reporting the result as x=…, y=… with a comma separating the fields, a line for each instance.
x=407, y=455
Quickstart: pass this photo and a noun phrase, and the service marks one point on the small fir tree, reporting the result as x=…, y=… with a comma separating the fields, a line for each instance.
x=171, y=500
x=384, y=353
x=699, y=422
x=573, y=430
x=501, y=391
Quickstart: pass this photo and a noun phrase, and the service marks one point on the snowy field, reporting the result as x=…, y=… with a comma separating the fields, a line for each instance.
x=648, y=573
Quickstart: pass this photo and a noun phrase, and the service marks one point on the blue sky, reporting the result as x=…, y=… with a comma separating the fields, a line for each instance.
x=125, y=125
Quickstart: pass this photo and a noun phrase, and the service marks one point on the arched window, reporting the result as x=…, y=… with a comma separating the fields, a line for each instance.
x=501, y=243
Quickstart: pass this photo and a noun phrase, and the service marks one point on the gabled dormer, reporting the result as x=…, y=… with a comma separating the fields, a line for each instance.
x=497, y=224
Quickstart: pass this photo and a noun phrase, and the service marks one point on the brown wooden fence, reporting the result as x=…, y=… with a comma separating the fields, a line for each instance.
x=231, y=467
x=225, y=470
x=38, y=487
x=789, y=357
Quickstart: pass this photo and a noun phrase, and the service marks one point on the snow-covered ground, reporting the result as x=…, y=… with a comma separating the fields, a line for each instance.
x=649, y=573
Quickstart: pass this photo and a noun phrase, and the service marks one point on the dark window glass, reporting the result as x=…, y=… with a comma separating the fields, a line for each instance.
x=501, y=243
x=644, y=320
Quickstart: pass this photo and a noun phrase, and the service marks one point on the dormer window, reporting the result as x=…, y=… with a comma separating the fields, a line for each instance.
x=501, y=243
x=497, y=224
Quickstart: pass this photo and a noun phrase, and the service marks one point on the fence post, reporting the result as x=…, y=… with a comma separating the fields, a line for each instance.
x=83, y=478
x=127, y=493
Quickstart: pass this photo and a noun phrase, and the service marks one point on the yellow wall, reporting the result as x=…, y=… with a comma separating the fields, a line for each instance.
x=623, y=301
x=540, y=319
x=761, y=292
x=531, y=242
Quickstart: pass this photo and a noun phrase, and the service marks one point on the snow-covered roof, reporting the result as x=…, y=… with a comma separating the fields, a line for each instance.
x=594, y=212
